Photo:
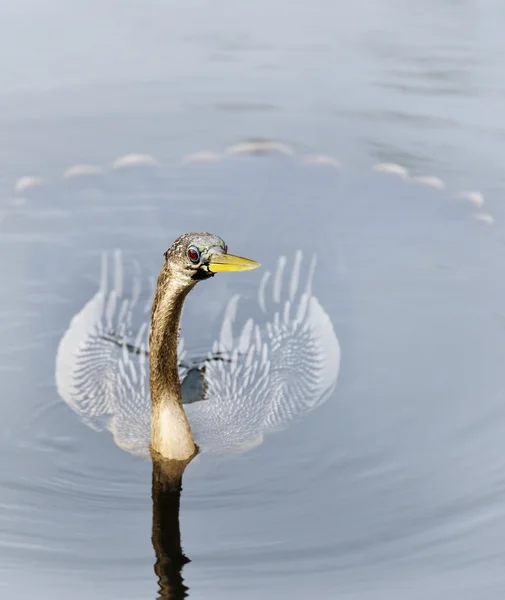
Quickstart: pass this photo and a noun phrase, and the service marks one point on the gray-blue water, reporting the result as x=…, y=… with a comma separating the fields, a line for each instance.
x=394, y=487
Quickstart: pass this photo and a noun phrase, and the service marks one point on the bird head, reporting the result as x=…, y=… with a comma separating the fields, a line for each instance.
x=197, y=256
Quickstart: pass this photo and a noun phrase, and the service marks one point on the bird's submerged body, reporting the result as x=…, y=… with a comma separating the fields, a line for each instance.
x=127, y=377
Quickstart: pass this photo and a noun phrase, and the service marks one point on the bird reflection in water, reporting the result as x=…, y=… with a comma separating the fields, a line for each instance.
x=166, y=532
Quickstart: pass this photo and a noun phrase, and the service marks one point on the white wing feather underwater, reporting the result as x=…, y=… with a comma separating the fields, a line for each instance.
x=267, y=374
x=102, y=366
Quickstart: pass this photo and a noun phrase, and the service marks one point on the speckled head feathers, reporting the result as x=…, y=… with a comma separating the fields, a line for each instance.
x=189, y=256
x=204, y=241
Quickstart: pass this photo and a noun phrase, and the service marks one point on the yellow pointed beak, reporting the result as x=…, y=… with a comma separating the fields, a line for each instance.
x=227, y=263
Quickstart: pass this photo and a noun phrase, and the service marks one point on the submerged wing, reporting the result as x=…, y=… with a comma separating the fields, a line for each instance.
x=278, y=368
x=102, y=368
x=273, y=371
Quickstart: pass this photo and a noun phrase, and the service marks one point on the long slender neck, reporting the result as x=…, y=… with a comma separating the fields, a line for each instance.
x=170, y=431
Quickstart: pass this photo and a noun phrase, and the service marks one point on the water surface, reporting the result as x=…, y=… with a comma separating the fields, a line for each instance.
x=393, y=487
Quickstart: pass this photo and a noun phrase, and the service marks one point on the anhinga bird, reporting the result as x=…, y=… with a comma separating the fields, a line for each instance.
x=193, y=257
x=120, y=369
x=129, y=381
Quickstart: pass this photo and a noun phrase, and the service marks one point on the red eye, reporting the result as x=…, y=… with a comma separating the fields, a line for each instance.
x=193, y=254
x=226, y=249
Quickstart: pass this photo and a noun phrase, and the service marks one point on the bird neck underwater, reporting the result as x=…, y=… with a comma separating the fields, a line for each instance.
x=171, y=435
